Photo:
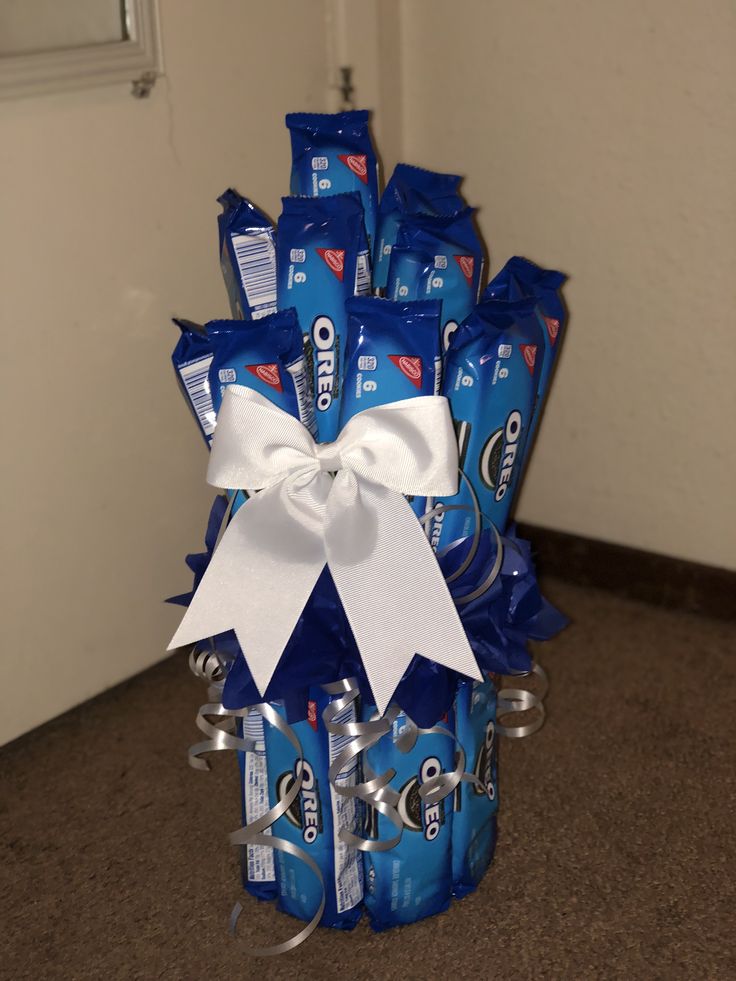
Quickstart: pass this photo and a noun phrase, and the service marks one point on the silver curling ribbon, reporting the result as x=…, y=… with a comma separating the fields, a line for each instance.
x=513, y=701
x=254, y=834
x=375, y=792
x=209, y=666
x=223, y=737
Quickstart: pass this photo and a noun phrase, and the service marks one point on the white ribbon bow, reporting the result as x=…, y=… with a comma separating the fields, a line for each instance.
x=358, y=523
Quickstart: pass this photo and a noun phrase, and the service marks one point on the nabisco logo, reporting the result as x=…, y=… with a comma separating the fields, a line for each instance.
x=553, y=328
x=358, y=163
x=268, y=373
x=335, y=259
x=467, y=265
x=529, y=353
x=312, y=714
x=411, y=367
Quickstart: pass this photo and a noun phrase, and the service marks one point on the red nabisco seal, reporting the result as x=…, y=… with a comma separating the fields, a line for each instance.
x=335, y=259
x=268, y=373
x=529, y=353
x=467, y=266
x=411, y=367
x=553, y=328
x=312, y=714
x=357, y=162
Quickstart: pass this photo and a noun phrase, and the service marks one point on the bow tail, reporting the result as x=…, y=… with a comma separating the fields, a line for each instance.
x=258, y=582
x=382, y=563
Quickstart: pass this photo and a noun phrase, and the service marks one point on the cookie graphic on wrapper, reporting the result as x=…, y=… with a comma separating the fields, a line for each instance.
x=283, y=785
x=489, y=464
x=410, y=805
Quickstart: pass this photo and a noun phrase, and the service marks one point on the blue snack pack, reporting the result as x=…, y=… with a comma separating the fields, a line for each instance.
x=474, y=816
x=192, y=358
x=315, y=819
x=247, y=257
x=257, y=863
x=266, y=355
x=521, y=278
x=491, y=378
x=332, y=153
x=414, y=878
x=410, y=191
x=322, y=260
x=438, y=257
x=393, y=353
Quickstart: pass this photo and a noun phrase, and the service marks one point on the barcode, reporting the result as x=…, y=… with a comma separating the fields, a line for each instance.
x=253, y=729
x=195, y=378
x=338, y=743
x=256, y=258
x=305, y=404
x=363, y=275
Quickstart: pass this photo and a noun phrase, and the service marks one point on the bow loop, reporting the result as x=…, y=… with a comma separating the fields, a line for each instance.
x=256, y=443
x=359, y=524
x=408, y=446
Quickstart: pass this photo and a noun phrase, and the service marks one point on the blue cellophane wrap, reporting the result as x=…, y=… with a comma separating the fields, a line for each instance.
x=499, y=622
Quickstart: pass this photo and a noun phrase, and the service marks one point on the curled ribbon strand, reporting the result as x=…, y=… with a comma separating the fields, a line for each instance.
x=376, y=792
x=512, y=701
x=206, y=665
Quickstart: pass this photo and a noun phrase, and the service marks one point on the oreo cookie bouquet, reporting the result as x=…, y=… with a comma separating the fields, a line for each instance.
x=362, y=593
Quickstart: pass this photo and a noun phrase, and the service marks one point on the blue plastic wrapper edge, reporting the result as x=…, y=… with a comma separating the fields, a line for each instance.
x=410, y=191
x=332, y=153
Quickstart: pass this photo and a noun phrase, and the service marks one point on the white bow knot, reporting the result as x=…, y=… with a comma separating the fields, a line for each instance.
x=359, y=524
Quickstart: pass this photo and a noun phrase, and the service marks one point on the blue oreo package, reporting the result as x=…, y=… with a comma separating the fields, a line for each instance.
x=414, y=878
x=192, y=358
x=392, y=353
x=315, y=819
x=247, y=257
x=257, y=862
x=410, y=191
x=491, y=377
x=266, y=355
x=475, y=807
x=438, y=257
x=322, y=260
x=521, y=278
x=332, y=153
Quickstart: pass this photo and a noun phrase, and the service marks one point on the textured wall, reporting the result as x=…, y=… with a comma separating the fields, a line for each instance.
x=599, y=138
x=109, y=227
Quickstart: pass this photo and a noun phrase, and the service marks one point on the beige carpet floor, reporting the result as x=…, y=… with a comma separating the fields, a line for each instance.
x=616, y=835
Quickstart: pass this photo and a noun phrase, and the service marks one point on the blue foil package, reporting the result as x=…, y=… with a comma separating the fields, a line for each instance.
x=393, y=353
x=192, y=358
x=414, y=878
x=410, y=191
x=257, y=863
x=322, y=260
x=266, y=355
x=247, y=257
x=332, y=153
x=491, y=378
x=521, y=278
x=438, y=257
x=475, y=808
x=315, y=819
